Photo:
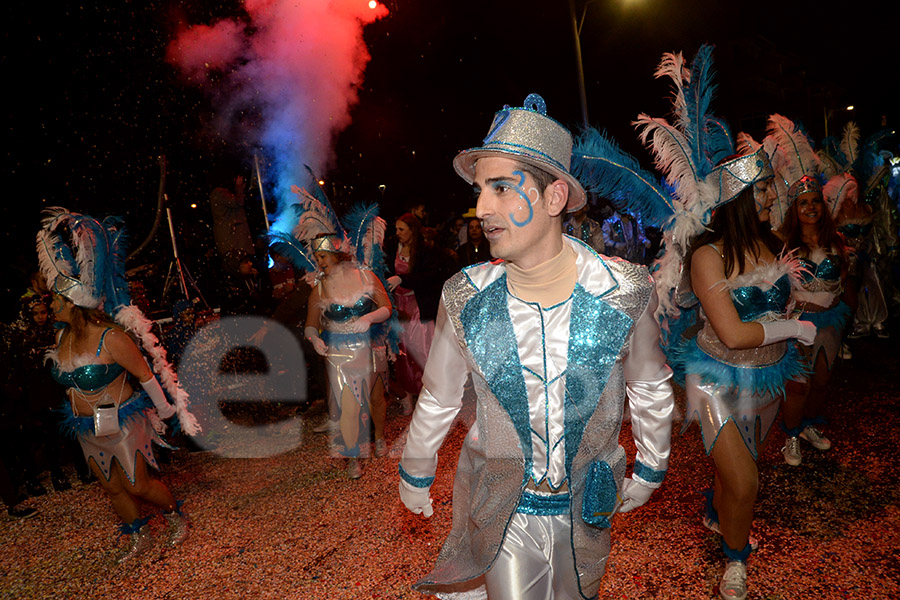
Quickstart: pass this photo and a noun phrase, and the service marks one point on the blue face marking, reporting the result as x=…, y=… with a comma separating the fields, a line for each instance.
x=518, y=189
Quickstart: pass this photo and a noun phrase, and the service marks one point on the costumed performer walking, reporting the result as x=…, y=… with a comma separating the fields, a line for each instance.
x=347, y=312
x=101, y=365
x=555, y=337
x=738, y=362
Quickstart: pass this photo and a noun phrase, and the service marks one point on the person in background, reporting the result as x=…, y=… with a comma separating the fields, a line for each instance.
x=589, y=231
x=624, y=237
x=809, y=230
x=477, y=249
x=416, y=285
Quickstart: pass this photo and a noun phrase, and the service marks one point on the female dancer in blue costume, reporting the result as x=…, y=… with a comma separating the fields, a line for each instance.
x=809, y=228
x=343, y=307
x=93, y=359
x=738, y=364
x=82, y=260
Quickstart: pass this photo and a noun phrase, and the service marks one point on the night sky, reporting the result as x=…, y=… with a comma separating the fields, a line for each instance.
x=92, y=103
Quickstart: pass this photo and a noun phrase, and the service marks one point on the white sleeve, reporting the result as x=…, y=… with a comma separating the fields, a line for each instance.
x=439, y=402
x=650, y=397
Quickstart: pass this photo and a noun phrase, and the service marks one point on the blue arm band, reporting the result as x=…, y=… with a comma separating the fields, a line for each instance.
x=419, y=482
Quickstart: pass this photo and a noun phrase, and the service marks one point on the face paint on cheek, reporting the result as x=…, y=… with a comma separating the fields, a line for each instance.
x=526, y=196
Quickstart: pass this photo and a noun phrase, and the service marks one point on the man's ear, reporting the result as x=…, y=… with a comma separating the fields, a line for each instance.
x=557, y=196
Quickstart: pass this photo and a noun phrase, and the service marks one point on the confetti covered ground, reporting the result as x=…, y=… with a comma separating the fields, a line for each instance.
x=294, y=526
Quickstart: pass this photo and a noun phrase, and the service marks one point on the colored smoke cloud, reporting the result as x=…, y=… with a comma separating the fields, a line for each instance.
x=297, y=64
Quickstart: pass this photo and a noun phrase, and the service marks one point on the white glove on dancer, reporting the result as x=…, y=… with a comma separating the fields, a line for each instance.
x=634, y=494
x=153, y=389
x=416, y=499
x=778, y=331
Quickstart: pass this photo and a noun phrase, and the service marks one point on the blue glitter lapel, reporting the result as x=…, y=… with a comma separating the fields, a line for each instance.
x=597, y=332
x=492, y=342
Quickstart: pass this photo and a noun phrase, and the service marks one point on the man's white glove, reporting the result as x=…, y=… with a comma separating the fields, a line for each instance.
x=634, y=494
x=153, y=389
x=778, y=331
x=416, y=499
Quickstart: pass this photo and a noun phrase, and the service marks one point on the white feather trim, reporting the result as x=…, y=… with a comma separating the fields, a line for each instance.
x=132, y=319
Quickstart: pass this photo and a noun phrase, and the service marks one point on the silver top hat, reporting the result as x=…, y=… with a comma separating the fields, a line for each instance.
x=527, y=134
x=736, y=175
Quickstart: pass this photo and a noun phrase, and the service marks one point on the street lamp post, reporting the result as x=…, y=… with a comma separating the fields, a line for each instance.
x=576, y=36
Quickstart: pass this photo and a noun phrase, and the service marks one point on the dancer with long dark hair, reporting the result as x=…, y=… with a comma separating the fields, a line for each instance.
x=114, y=401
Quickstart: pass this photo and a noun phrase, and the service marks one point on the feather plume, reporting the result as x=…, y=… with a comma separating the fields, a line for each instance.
x=602, y=167
x=830, y=166
x=698, y=97
x=838, y=190
x=288, y=246
x=796, y=157
x=672, y=66
x=360, y=221
x=746, y=144
x=850, y=143
x=671, y=152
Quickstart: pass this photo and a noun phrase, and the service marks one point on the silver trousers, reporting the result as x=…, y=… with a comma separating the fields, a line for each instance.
x=535, y=561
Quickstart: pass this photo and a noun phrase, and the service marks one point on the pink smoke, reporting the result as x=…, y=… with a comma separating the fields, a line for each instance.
x=297, y=63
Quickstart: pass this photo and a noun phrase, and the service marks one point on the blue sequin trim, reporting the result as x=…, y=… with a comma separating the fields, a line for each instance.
x=544, y=505
x=133, y=527
x=647, y=474
x=492, y=341
x=597, y=332
x=759, y=380
x=375, y=332
x=72, y=426
x=419, y=482
x=833, y=317
x=601, y=495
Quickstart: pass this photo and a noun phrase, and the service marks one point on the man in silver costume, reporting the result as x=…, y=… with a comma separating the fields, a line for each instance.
x=555, y=338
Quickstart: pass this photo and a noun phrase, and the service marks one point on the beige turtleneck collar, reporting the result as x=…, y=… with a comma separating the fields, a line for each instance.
x=549, y=283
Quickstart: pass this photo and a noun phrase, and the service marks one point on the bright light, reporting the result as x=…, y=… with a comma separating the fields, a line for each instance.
x=373, y=4
x=851, y=107
x=193, y=205
x=321, y=182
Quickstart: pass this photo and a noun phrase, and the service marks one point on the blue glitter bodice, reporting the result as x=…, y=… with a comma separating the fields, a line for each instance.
x=752, y=302
x=89, y=378
x=854, y=230
x=829, y=269
x=339, y=313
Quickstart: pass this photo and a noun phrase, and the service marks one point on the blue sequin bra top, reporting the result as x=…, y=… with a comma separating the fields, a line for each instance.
x=338, y=313
x=752, y=302
x=827, y=270
x=89, y=378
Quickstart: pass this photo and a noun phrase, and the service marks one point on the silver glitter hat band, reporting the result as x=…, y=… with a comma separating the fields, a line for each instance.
x=527, y=134
x=801, y=186
x=736, y=175
x=327, y=243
